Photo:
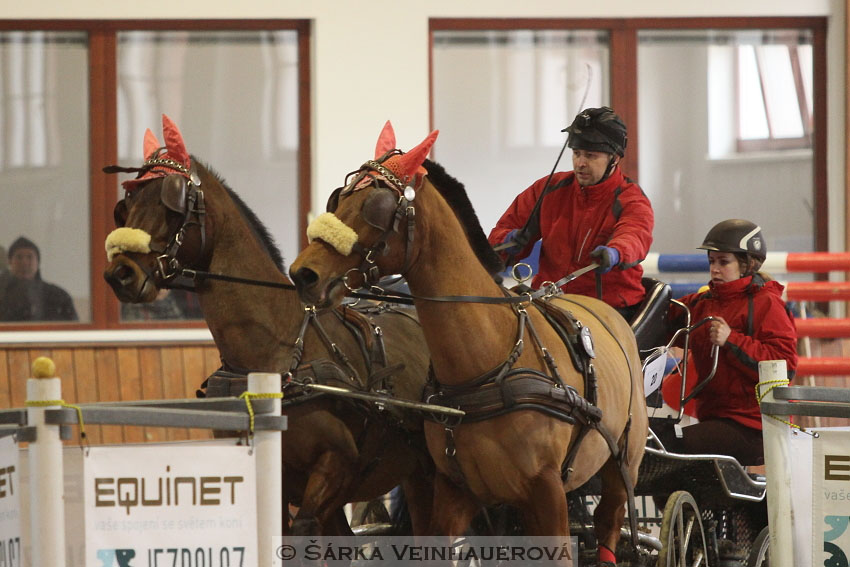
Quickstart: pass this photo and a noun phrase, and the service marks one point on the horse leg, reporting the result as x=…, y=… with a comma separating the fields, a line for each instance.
x=338, y=524
x=545, y=512
x=453, y=508
x=324, y=494
x=610, y=512
x=419, y=493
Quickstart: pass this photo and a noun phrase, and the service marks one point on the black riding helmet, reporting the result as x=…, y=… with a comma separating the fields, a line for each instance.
x=737, y=236
x=598, y=130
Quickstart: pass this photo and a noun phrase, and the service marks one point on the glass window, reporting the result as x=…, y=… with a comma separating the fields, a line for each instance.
x=774, y=75
x=206, y=81
x=501, y=99
x=690, y=111
x=44, y=175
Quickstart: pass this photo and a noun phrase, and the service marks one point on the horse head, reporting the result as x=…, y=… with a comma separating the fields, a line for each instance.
x=368, y=228
x=160, y=222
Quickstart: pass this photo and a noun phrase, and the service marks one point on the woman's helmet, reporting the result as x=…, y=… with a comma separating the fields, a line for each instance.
x=598, y=130
x=736, y=235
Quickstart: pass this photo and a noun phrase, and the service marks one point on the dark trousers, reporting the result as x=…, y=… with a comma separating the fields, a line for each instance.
x=716, y=437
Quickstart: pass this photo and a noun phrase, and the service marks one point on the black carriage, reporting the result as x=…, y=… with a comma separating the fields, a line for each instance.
x=698, y=510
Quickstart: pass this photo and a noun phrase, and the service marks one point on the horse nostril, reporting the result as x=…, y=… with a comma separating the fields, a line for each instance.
x=123, y=274
x=304, y=278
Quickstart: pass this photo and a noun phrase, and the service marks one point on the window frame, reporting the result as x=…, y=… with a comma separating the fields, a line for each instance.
x=103, y=144
x=623, y=45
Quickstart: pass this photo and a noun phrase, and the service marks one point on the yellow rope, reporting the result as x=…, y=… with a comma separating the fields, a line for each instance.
x=248, y=396
x=775, y=384
x=42, y=403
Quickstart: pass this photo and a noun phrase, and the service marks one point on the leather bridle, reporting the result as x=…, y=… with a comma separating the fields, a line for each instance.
x=384, y=210
x=180, y=192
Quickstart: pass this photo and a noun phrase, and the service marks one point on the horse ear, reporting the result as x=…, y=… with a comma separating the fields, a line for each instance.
x=410, y=163
x=386, y=141
x=151, y=144
x=174, y=143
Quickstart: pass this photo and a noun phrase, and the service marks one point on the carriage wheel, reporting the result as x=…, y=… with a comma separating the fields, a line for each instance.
x=682, y=537
x=760, y=554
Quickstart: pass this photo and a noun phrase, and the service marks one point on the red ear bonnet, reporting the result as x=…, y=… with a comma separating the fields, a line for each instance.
x=175, y=151
x=408, y=167
x=386, y=141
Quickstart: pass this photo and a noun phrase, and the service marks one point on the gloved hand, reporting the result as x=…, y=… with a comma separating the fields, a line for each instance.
x=606, y=257
x=515, y=247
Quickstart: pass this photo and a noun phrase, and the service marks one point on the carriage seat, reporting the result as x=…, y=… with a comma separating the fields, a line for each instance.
x=650, y=322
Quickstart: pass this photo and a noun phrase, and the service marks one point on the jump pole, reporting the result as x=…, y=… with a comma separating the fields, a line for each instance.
x=269, y=464
x=776, y=262
x=47, y=491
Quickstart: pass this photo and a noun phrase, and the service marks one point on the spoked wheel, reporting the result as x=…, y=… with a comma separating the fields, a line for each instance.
x=760, y=554
x=682, y=537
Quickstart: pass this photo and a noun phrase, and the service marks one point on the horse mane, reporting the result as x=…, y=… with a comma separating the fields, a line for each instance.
x=455, y=195
x=258, y=227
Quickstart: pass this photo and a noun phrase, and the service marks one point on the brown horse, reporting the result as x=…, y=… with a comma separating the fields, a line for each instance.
x=523, y=453
x=178, y=214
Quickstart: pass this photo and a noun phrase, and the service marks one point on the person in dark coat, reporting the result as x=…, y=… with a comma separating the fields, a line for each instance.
x=24, y=296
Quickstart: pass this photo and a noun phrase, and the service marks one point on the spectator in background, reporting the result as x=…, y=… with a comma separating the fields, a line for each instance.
x=4, y=267
x=24, y=296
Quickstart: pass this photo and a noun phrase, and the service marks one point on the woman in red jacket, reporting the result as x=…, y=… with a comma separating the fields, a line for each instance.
x=752, y=324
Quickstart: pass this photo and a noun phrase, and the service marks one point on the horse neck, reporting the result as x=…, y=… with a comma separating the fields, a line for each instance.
x=465, y=339
x=253, y=326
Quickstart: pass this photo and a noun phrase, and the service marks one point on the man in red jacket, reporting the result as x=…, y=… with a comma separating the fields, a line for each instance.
x=591, y=214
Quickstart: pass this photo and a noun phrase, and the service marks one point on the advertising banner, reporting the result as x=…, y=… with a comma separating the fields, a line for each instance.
x=10, y=504
x=152, y=506
x=831, y=498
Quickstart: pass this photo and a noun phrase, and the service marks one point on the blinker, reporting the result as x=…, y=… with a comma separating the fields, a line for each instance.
x=379, y=208
x=173, y=193
x=119, y=213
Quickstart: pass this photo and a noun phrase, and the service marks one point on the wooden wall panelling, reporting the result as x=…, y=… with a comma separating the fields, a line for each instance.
x=172, y=383
x=130, y=387
x=85, y=376
x=5, y=382
x=63, y=358
x=106, y=366
x=150, y=370
x=19, y=371
x=193, y=375
x=111, y=373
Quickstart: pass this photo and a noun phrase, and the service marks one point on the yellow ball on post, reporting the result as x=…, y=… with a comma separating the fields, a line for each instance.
x=43, y=367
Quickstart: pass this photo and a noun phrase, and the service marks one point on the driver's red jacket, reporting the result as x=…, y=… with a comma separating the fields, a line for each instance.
x=574, y=220
x=762, y=329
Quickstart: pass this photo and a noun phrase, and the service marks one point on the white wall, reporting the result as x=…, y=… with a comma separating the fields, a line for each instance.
x=370, y=61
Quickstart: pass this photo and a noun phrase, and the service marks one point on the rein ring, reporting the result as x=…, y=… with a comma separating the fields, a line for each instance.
x=345, y=279
x=516, y=272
